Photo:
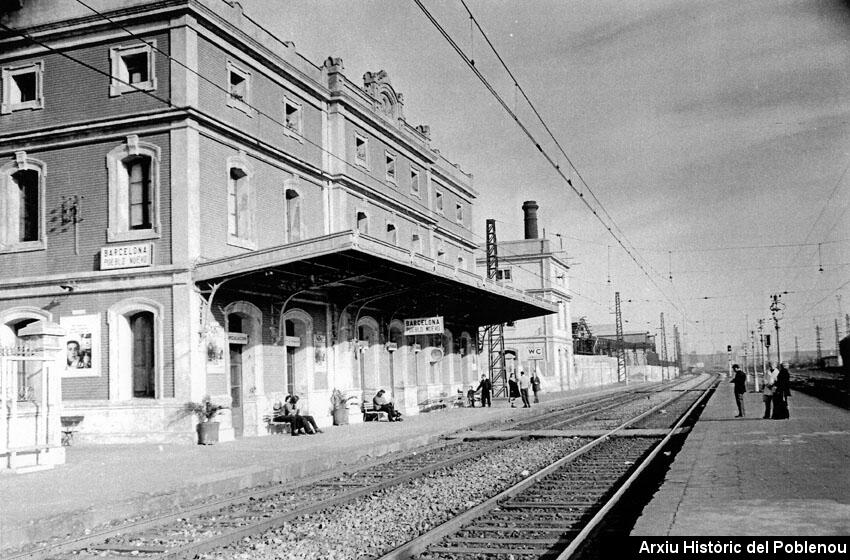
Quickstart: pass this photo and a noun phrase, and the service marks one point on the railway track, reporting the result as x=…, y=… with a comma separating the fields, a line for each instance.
x=213, y=526
x=549, y=515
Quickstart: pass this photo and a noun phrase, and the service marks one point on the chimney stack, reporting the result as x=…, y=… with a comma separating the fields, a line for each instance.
x=529, y=207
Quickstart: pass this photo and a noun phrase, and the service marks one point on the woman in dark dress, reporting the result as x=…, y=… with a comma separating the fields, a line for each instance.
x=782, y=390
x=513, y=389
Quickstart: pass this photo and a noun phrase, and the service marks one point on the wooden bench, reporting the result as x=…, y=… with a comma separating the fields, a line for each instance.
x=372, y=415
x=275, y=427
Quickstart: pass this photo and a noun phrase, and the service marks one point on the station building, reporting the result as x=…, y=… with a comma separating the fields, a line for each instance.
x=542, y=344
x=207, y=213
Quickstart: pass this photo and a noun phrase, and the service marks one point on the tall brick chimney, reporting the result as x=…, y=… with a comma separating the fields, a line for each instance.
x=529, y=207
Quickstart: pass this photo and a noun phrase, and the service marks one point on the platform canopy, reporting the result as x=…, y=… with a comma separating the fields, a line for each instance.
x=356, y=270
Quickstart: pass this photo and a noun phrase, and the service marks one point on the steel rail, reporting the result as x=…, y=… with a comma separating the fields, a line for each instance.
x=609, y=505
x=82, y=542
x=422, y=542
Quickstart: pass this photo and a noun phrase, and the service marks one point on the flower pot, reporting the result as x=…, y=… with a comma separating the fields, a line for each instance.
x=340, y=416
x=207, y=433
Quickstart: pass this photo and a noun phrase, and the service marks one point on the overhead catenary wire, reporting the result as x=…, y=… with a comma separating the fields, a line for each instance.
x=215, y=84
x=538, y=146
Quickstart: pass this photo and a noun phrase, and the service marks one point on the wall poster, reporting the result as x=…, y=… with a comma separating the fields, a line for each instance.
x=82, y=345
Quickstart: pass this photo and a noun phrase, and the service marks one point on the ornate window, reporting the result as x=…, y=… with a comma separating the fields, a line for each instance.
x=132, y=68
x=22, y=87
x=22, y=204
x=238, y=88
x=293, y=216
x=361, y=150
x=133, y=170
x=240, y=203
x=292, y=118
x=390, y=161
x=414, y=181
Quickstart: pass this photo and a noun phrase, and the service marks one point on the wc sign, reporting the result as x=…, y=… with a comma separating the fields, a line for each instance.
x=534, y=352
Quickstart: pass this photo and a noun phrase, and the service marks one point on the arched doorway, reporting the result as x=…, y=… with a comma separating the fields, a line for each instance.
x=243, y=323
x=398, y=356
x=367, y=345
x=135, y=349
x=297, y=328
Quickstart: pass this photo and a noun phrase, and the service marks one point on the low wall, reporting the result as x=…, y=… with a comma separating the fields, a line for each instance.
x=592, y=371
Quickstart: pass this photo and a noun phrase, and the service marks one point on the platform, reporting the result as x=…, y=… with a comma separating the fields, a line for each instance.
x=755, y=477
x=100, y=484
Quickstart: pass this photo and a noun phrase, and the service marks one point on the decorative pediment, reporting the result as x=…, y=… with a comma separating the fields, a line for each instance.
x=385, y=99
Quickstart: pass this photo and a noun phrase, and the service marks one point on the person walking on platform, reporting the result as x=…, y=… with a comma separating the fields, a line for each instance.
x=535, y=385
x=524, y=386
x=739, y=378
x=513, y=390
x=782, y=390
x=486, y=387
x=768, y=389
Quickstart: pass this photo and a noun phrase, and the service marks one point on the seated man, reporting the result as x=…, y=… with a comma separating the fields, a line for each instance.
x=383, y=404
x=306, y=423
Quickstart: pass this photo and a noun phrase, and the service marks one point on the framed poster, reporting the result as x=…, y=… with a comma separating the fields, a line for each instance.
x=82, y=345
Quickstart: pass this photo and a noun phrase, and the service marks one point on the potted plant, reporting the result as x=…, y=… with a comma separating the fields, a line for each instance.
x=339, y=407
x=205, y=411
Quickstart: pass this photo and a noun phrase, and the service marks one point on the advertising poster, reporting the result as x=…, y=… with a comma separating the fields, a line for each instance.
x=82, y=345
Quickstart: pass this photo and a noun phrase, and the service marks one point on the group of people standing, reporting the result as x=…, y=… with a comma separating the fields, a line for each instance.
x=517, y=389
x=775, y=392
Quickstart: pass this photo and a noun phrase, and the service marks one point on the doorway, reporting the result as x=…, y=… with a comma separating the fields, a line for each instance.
x=236, y=388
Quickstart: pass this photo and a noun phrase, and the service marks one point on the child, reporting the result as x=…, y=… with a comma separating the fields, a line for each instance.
x=470, y=395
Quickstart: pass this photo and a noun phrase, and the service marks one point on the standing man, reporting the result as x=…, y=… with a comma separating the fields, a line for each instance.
x=739, y=378
x=535, y=384
x=524, y=385
x=485, y=387
x=768, y=388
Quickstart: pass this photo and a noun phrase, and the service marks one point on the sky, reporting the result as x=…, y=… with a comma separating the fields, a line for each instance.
x=715, y=135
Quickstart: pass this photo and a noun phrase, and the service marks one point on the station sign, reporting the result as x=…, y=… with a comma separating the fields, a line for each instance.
x=126, y=256
x=237, y=338
x=392, y=346
x=534, y=352
x=423, y=325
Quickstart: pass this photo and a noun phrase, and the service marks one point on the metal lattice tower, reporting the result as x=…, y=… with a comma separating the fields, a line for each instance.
x=663, y=348
x=677, y=348
x=493, y=336
x=621, y=346
x=817, y=341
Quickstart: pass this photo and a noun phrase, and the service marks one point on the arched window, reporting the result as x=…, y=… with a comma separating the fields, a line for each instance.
x=138, y=169
x=22, y=204
x=293, y=216
x=240, y=203
x=362, y=222
x=133, y=170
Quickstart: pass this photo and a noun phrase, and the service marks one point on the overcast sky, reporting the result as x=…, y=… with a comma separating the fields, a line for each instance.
x=700, y=126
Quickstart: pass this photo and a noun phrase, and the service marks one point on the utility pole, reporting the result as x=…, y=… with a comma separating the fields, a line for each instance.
x=621, y=346
x=762, y=346
x=817, y=342
x=677, y=347
x=796, y=350
x=755, y=363
x=493, y=336
x=663, y=349
x=837, y=342
x=776, y=309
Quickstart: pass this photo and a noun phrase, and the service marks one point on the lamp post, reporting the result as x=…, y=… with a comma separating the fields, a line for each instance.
x=776, y=308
